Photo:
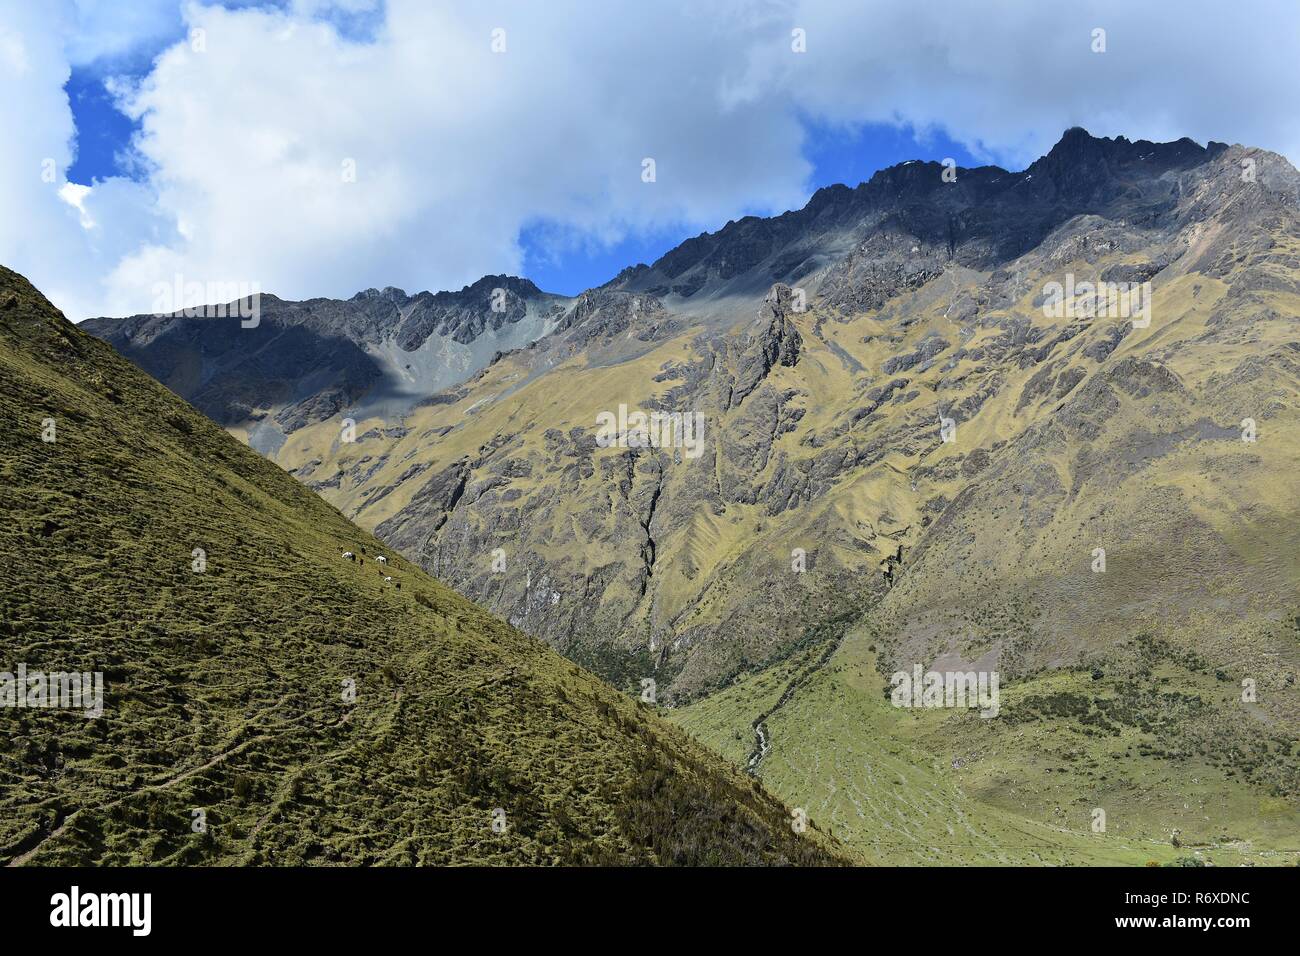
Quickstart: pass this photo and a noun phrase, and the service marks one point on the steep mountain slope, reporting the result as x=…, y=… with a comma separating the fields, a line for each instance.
x=268, y=701
x=822, y=426
x=1154, y=683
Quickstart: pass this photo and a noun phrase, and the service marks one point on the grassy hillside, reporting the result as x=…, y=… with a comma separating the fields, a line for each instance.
x=227, y=687
x=1153, y=739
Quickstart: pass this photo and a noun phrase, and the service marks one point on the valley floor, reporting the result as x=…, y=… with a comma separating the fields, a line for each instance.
x=942, y=787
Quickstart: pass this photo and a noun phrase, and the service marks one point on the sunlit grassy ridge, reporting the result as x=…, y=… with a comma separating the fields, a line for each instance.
x=226, y=688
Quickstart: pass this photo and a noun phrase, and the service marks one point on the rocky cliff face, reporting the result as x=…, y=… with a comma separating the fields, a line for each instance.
x=899, y=413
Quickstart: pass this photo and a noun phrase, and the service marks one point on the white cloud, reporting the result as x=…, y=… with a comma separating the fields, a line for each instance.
x=457, y=148
x=1006, y=78
x=74, y=194
x=65, y=248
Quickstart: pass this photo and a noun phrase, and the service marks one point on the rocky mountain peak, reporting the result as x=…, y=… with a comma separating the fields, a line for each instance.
x=387, y=293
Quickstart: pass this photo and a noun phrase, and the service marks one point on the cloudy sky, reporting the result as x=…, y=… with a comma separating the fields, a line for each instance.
x=319, y=147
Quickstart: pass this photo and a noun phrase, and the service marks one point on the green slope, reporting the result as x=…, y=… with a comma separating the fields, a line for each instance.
x=225, y=687
x=1153, y=742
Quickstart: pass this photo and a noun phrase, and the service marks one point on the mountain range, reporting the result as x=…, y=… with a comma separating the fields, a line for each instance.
x=1037, y=423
